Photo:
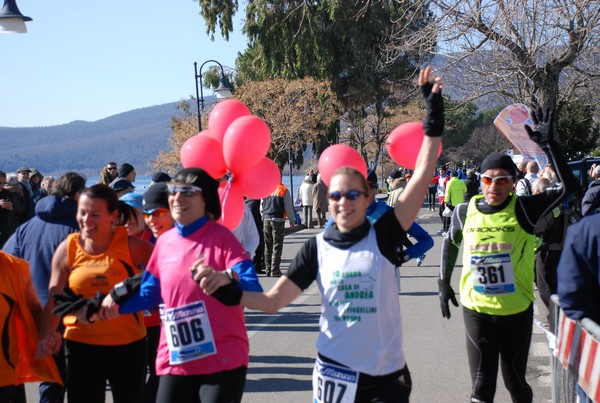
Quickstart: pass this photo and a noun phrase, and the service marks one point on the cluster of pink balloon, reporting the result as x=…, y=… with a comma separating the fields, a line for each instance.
x=236, y=143
x=403, y=145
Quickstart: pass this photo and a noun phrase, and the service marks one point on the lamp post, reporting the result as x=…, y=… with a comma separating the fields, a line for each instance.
x=291, y=176
x=223, y=91
x=11, y=19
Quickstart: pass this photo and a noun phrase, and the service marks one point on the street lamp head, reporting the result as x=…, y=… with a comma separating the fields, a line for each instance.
x=223, y=91
x=11, y=19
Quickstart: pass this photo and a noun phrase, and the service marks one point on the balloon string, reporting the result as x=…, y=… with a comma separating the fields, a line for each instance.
x=225, y=195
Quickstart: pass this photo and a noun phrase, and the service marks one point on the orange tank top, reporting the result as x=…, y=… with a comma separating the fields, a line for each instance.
x=89, y=274
x=18, y=330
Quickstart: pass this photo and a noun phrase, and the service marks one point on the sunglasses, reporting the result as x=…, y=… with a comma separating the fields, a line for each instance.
x=111, y=168
x=349, y=195
x=185, y=190
x=157, y=212
x=498, y=180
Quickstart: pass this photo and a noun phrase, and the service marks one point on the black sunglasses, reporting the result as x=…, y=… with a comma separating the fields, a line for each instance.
x=350, y=195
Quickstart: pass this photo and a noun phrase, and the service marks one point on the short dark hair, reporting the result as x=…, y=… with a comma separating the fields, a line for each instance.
x=68, y=185
x=199, y=177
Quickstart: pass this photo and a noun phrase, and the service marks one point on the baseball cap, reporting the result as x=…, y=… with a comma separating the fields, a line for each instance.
x=156, y=196
x=132, y=199
x=160, y=177
x=121, y=184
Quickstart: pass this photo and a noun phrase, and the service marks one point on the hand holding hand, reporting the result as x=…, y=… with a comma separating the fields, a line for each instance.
x=544, y=126
x=109, y=309
x=207, y=277
x=446, y=293
x=49, y=345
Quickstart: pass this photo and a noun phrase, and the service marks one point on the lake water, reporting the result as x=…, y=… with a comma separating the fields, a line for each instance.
x=143, y=182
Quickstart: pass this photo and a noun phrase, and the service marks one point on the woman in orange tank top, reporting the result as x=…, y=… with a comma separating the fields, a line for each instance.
x=92, y=262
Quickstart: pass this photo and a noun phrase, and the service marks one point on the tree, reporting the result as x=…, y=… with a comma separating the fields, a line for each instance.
x=577, y=129
x=539, y=52
x=342, y=42
x=298, y=113
x=484, y=138
x=183, y=127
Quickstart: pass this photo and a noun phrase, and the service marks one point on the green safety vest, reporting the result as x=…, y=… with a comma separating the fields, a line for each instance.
x=498, y=262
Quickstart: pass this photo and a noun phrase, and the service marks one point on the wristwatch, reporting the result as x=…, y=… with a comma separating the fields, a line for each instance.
x=233, y=276
x=120, y=289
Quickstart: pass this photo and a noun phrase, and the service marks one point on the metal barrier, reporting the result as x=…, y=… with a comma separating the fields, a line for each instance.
x=575, y=357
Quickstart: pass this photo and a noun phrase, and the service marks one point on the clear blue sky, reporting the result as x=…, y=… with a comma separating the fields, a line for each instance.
x=87, y=60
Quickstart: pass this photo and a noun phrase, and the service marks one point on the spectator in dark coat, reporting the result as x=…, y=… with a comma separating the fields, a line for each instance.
x=591, y=199
x=472, y=185
x=8, y=218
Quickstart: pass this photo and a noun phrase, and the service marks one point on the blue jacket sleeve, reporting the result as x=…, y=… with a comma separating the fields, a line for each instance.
x=577, y=272
x=423, y=244
x=148, y=296
x=248, y=278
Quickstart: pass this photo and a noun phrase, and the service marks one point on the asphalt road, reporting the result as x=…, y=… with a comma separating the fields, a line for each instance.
x=282, y=346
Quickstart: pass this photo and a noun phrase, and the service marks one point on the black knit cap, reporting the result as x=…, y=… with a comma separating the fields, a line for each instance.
x=156, y=196
x=199, y=177
x=499, y=161
x=372, y=179
x=125, y=169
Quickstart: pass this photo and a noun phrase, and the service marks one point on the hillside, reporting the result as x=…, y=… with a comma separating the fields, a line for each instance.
x=135, y=137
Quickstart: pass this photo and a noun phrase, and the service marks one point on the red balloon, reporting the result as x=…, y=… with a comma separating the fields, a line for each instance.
x=246, y=142
x=203, y=152
x=404, y=143
x=223, y=114
x=337, y=156
x=260, y=180
x=232, y=205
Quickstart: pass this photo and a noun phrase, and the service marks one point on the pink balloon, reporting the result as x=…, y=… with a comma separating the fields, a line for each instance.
x=404, y=143
x=260, y=180
x=223, y=114
x=246, y=142
x=203, y=152
x=337, y=156
x=232, y=205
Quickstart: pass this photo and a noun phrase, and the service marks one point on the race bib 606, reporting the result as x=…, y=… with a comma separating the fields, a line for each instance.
x=188, y=332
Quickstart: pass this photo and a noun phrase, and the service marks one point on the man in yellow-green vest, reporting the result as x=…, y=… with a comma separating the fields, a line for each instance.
x=496, y=282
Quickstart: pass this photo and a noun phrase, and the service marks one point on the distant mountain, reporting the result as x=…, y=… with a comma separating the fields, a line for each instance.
x=135, y=137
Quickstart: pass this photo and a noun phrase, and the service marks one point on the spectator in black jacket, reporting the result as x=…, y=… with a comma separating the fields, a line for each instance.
x=591, y=199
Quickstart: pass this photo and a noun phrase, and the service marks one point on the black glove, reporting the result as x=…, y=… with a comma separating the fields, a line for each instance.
x=446, y=294
x=93, y=305
x=229, y=295
x=131, y=284
x=433, y=124
x=544, y=127
x=67, y=303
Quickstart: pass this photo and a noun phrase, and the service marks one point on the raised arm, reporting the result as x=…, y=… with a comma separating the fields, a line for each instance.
x=411, y=199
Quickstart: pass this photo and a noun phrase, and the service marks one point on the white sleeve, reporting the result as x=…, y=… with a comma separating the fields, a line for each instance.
x=247, y=233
